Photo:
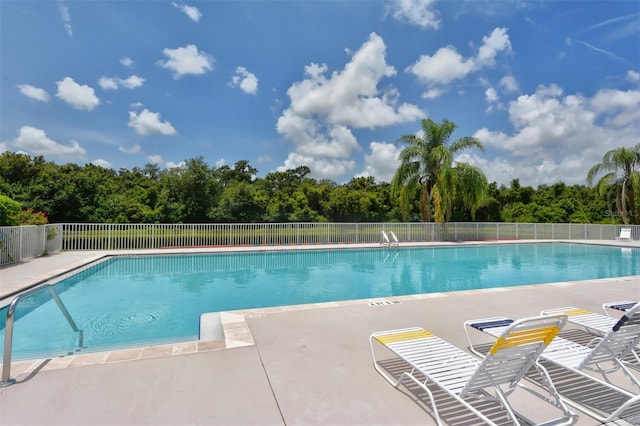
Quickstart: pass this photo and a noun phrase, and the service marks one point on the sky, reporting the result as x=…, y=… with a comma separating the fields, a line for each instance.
x=548, y=87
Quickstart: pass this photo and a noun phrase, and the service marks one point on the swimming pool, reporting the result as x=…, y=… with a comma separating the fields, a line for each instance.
x=129, y=301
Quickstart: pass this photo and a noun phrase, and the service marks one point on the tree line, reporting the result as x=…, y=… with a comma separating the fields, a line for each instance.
x=198, y=193
x=428, y=185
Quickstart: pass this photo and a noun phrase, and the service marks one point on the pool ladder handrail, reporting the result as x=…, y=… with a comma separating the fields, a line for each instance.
x=387, y=242
x=8, y=329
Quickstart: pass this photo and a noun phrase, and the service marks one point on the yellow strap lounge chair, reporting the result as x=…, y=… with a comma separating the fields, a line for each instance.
x=433, y=361
x=599, y=325
x=605, y=358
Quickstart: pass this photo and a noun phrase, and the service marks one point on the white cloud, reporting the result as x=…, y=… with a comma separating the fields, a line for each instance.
x=509, y=84
x=34, y=92
x=147, y=122
x=617, y=108
x=312, y=139
x=114, y=83
x=433, y=93
x=382, y=162
x=154, y=159
x=221, y=162
x=36, y=142
x=558, y=137
x=247, y=81
x=127, y=62
x=108, y=83
x=320, y=167
x=133, y=150
x=491, y=95
x=187, y=60
x=324, y=108
x=492, y=98
x=157, y=159
x=497, y=41
x=132, y=82
x=172, y=165
x=416, y=12
x=66, y=18
x=76, y=95
x=102, y=163
x=351, y=97
x=191, y=11
x=447, y=65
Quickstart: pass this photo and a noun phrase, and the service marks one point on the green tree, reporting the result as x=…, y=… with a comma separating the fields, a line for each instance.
x=9, y=211
x=286, y=198
x=427, y=166
x=242, y=172
x=190, y=192
x=239, y=202
x=620, y=179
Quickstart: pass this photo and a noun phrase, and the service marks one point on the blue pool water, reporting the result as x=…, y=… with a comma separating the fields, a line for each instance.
x=140, y=300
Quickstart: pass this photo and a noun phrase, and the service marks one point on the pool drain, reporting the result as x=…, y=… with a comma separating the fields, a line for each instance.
x=384, y=302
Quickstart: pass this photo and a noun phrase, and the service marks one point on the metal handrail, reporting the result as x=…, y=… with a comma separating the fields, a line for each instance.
x=8, y=330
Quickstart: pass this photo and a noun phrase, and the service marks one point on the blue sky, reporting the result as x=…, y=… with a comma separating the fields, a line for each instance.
x=548, y=87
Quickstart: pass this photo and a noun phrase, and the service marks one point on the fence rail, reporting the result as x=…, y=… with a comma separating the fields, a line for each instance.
x=22, y=242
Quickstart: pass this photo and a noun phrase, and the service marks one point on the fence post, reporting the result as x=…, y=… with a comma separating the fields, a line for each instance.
x=20, y=245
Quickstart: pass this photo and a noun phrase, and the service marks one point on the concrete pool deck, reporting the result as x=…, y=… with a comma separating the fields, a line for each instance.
x=299, y=365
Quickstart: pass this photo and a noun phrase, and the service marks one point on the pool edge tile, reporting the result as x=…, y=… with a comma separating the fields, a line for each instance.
x=156, y=351
x=124, y=355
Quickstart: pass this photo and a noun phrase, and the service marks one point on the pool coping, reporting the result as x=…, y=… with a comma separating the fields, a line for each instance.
x=236, y=330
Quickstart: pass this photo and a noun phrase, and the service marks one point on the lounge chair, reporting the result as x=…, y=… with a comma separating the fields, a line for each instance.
x=467, y=378
x=625, y=235
x=623, y=305
x=598, y=324
x=604, y=358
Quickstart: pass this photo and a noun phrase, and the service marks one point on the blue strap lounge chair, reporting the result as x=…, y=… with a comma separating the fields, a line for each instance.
x=604, y=358
x=619, y=306
x=599, y=325
x=433, y=361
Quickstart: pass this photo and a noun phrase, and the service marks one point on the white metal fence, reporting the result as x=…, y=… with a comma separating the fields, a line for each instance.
x=22, y=242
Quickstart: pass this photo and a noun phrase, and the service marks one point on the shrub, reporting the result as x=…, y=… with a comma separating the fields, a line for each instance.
x=9, y=211
x=29, y=217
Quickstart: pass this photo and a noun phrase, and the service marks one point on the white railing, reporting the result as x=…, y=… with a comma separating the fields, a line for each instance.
x=151, y=236
x=18, y=243
x=21, y=242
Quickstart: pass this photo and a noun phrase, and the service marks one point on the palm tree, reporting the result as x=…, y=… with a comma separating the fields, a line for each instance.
x=427, y=165
x=621, y=178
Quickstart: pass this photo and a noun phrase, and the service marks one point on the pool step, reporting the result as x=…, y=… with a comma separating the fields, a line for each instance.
x=211, y=326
